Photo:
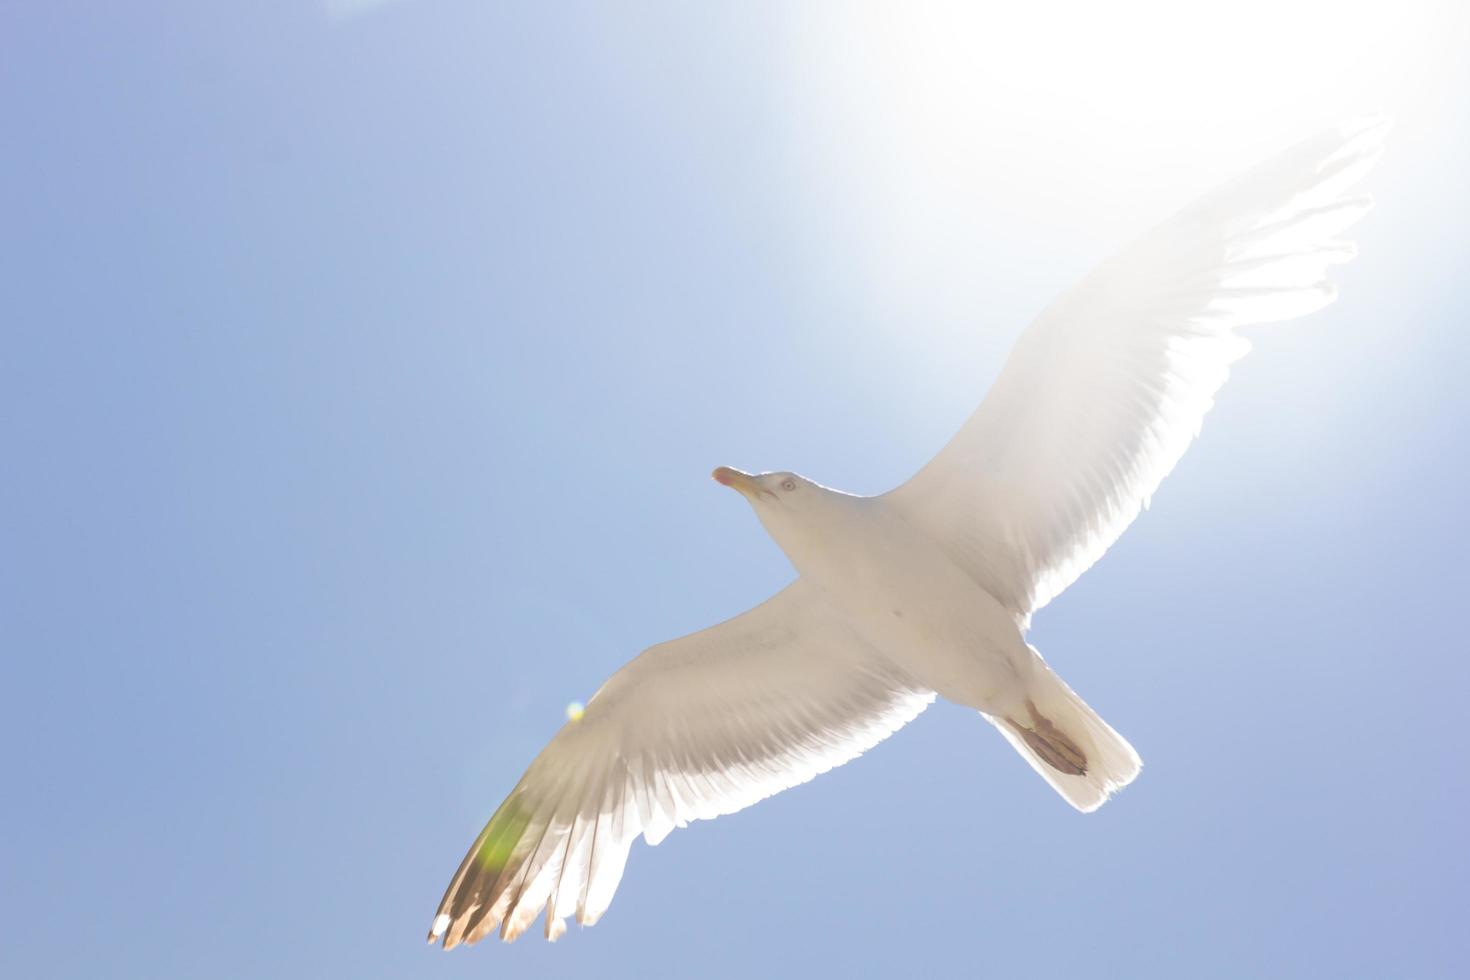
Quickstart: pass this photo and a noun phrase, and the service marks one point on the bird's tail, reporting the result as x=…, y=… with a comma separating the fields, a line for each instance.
x=1067, y=743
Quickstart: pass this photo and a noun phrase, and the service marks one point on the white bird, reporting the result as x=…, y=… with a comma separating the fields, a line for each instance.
x=930, y=588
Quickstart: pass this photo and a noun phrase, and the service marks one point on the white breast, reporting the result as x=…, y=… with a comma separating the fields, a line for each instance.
x=912, y=602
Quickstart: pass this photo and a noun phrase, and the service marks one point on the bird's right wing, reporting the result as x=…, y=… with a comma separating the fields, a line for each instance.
x=1105, y=391
x=689, y=730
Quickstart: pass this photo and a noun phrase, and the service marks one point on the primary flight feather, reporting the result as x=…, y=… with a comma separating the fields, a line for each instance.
x=930, y=588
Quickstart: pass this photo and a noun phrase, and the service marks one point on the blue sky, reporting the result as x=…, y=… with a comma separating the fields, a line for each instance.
x=364, y=367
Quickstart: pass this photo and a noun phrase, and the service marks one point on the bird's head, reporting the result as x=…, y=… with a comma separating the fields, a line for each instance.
x=765, y=489
x=793, y=509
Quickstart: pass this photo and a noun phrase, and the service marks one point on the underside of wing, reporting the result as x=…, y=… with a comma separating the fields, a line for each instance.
x=1105, y=391
x=689, y=730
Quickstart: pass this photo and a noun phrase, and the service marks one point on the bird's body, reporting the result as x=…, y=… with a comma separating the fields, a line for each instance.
x=930, y=588
x=903, y=596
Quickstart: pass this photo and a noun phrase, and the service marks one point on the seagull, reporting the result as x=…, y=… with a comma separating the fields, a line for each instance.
x=928, y=590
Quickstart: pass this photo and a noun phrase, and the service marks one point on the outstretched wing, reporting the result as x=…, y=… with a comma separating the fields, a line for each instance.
x=689, y=730
x=1105, y=391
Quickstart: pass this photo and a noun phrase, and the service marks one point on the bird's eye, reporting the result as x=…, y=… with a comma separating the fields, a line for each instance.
x=788, y=485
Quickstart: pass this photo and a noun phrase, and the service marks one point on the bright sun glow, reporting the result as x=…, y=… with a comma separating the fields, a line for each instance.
x=916, y=124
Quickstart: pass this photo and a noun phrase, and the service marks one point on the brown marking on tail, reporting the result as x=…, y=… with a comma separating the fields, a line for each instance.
x=1048, y=742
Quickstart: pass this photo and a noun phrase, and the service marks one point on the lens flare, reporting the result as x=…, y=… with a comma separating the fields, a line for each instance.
x=575, y=711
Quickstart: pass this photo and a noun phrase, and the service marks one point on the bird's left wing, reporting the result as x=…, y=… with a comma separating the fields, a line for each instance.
x=689, y=730
x=1105, y=391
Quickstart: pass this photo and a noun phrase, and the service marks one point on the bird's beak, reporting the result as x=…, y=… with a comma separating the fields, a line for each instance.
x=743, y=482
